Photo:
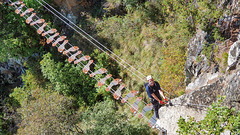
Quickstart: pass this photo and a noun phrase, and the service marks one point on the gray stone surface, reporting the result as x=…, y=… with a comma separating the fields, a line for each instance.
x=232, y=91
x=235, y=10
x=169, y=116
x=227, y=85
x=195, y=46
x=202, y=80
x=10, y=71
x=188, y=104
x=234, y=55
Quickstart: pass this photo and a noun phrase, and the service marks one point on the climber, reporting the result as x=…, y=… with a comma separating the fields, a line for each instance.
x=154, y=91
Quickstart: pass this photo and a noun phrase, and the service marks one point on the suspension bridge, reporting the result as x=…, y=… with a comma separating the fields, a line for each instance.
x=77, y=57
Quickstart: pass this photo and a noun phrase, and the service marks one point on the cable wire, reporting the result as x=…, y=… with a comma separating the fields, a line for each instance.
x=95, y=41
x=83, y=36
x=89, y=39
x=92, y=41
x=92, y=38
x=112, y=91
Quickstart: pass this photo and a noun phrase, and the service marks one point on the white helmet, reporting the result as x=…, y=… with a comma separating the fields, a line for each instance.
x=149, y=77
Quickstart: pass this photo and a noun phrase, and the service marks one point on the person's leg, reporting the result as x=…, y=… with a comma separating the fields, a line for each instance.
x=156, y=107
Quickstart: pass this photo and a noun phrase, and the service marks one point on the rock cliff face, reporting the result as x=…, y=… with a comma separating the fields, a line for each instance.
x=195, y=46
x=188, y=104
x=73, y=9
x=207, y=78
x=10, y=71
x=234, y=56
x=70, y=8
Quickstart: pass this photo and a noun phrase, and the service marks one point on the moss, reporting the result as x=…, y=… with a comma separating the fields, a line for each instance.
x=225, y=59
x=199, y=59
x=207, y=51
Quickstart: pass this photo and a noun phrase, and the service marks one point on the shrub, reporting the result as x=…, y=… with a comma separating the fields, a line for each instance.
x=104, y=118
x=218, y=119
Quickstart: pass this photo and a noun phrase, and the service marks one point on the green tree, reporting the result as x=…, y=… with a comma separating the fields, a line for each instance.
x=218, y=119
x=104, y=119
x=69, y=79
x=17, y=38
x=42, y=110
x=47, y=113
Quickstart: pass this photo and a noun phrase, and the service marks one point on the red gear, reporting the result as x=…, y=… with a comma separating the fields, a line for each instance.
x=166, y=101
x=161, y=102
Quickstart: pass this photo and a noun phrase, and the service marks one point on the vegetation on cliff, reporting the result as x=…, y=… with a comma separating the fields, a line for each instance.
x=219, y=119
x=59, y=98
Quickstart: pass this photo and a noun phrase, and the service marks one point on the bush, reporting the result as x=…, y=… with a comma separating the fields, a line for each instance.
x=17, y=38
x=218, y=119
x=47, y=113
x=69, y=79
x=104, y=119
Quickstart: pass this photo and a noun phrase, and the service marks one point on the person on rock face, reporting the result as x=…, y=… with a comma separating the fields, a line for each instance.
x=154, y=91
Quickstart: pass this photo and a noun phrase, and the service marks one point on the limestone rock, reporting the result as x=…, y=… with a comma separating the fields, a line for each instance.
x=10, y=70
x=235, y=10
x=234, y=55
x=195, y=47
x=232, y=91
x=68, y=5
x=239, y=35
x=195, y=103
x=187, y=105
x=169, y=116
x=201, y=81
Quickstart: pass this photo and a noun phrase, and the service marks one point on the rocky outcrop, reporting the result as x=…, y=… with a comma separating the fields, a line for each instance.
x=207, y=78
x=169, y=116
x=75, y=7
x=232, y=90
x=201, y=81
x=69, y=6
x=75, y=11
x=235, y=7
x=192, y=67
x=10, y=71
x=230, y=22
x=234, y=56
x=194, y=104
x=188, y=105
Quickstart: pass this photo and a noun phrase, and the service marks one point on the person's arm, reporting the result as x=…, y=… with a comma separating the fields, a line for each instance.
x=156, y=98
x=161, y=93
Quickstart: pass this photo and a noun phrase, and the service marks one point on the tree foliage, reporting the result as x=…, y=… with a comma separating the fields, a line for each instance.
x=69, y=79
x=48, y=113
x=104, y=119
x=153, y=36
x=41, y=109
x=17, y=38
x=218, y=119
x=150, y=35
